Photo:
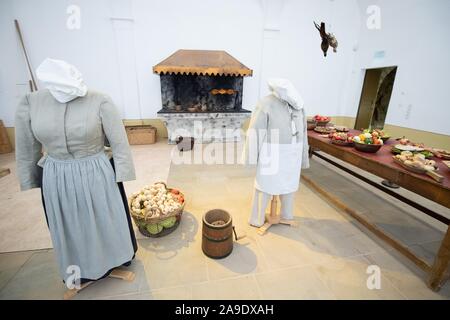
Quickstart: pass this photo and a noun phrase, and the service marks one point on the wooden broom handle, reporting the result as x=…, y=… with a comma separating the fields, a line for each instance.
x=33, y=82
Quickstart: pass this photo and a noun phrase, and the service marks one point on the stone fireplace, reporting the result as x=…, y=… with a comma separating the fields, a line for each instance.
x=201, y=95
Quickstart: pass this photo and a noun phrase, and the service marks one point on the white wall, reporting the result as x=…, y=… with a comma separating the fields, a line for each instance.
x=120, y=40
x=415, y=37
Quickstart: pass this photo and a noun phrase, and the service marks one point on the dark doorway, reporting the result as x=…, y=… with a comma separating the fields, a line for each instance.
x=375, y=97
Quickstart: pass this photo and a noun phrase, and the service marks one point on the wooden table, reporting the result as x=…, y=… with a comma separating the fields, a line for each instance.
x=382, y=165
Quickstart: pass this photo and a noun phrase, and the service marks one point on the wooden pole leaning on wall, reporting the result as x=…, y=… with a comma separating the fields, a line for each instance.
x=30, y=69
x=273, y=218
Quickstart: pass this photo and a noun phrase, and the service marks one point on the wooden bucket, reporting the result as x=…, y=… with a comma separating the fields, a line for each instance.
x=217, y=234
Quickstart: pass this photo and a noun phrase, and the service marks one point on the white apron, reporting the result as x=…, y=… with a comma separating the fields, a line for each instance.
x=278, y=168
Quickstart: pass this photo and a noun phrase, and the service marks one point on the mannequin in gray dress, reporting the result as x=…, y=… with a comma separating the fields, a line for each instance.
x=83, y=203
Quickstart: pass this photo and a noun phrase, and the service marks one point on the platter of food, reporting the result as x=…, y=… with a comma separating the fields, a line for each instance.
x=324, y=130
x=399, y=148
x=442, y=154
x=341, y=128
x=341, y=139
x=407, y=147
x=447, y=163
x=419, y=164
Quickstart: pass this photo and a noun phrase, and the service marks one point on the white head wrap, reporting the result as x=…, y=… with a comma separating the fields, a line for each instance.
x=63, y=80
x=284, y=89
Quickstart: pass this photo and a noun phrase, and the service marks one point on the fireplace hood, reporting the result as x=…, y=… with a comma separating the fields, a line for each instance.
x=201, y=95
x=202, y=62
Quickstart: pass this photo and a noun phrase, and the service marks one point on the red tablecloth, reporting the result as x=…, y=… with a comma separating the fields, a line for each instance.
x=384, y=157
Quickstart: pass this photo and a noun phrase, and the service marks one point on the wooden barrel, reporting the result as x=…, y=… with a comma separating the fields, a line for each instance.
x=5, y=145
x=217, y=238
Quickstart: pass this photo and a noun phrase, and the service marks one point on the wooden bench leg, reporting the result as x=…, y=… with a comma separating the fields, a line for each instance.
x=69, y=294
x=116, y=273
x=440, y=269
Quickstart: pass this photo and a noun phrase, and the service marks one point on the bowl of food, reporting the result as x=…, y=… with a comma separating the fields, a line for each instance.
x=367, y=142
x=321, y=121
x=379, y=133
x=311, y=124
x=365, y=147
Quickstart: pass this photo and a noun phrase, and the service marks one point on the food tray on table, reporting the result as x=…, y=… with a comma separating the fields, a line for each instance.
x=153, y=221
x=442, y=154
x=324, y=129
x=341, y=143
x=341, y=129
x=431, y=173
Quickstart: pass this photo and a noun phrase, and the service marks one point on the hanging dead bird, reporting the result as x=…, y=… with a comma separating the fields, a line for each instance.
x=328, y=39
x=332, y=41
x=325, y=44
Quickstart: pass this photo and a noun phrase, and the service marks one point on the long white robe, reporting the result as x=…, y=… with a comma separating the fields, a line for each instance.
x=277, y=143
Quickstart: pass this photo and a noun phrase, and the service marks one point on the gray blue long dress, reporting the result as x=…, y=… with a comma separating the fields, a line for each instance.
x=86, y=216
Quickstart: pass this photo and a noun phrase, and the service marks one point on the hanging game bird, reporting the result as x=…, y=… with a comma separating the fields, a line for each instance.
x=328, y=39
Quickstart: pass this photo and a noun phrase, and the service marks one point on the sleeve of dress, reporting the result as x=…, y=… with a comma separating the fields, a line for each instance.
x=117, y=137
x=28, y=149
x=305, y=154
x=256, y=134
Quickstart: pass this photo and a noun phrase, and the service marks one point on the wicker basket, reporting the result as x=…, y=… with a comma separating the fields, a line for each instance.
x=145, y=134
x=143, y=221
x=5, y=144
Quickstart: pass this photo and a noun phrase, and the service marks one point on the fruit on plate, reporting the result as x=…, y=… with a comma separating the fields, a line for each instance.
x=417, y=161
x=403, y=141
x=319, y=118
x=341, y=137
x=155, y=201
x=368, y=138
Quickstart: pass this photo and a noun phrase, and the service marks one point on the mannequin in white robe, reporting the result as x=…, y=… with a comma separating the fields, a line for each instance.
x=277, y=143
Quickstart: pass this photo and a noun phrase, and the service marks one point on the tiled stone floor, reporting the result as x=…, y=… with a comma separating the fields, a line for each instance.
x=326, y=257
